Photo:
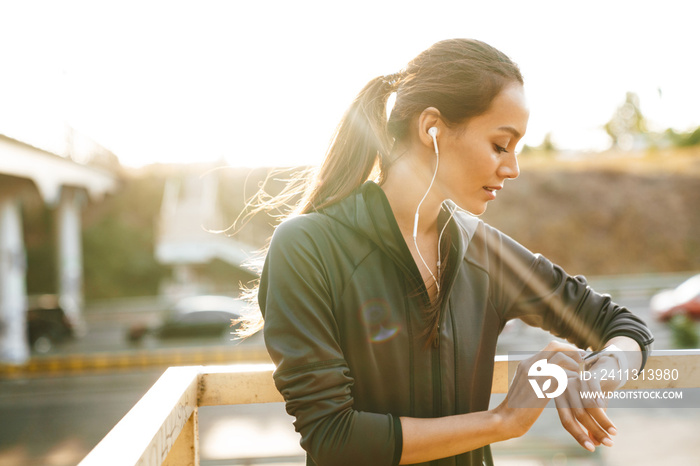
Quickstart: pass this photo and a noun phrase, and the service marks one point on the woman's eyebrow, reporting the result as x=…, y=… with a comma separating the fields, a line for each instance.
x=511, y=130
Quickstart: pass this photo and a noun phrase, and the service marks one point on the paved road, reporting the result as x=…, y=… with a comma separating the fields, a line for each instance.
x=56, y=420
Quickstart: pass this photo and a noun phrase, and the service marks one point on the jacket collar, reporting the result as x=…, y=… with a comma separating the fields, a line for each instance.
x=367, y=211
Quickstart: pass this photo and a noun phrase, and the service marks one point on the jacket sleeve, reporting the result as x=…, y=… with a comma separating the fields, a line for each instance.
x=302, y=337
x=542, y=294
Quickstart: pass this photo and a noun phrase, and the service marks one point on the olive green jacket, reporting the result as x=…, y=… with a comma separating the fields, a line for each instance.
x=344, y=306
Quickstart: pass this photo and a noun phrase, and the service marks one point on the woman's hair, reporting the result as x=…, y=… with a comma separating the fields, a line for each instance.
x=459, y=77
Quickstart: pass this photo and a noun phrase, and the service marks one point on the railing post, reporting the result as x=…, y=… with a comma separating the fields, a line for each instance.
x=148, y=433
x=185, y=450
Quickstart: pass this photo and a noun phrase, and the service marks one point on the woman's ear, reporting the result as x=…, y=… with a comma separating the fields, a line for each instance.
x=429, y=118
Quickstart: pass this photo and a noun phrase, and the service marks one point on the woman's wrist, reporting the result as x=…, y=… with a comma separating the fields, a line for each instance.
x=616, y=353
x=506, y=429
x=628, y=351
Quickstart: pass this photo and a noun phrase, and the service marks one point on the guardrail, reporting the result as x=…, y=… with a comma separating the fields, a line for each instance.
x=640, y=285
x=162, y=428
x=130, y=360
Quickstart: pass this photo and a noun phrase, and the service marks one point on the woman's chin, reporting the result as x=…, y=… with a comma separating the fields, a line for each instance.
x=475, y=208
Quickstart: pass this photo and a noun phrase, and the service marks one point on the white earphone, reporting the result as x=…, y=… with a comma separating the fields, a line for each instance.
x=433, y=132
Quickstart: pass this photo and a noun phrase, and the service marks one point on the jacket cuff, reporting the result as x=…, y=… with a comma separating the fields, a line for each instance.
x=644, y=345
x=398, y=440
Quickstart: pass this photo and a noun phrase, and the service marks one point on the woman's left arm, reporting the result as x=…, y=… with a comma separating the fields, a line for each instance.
x=540, y=293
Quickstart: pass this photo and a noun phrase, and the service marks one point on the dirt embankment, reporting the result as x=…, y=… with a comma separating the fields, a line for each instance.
x=608, y=213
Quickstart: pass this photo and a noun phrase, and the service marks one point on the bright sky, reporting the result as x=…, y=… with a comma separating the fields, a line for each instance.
x=265, y=82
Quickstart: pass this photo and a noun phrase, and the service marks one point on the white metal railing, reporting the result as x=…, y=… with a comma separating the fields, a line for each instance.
x=162, y=428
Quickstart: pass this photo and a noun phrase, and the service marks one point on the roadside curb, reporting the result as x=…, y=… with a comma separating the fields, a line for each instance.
x=98, y=362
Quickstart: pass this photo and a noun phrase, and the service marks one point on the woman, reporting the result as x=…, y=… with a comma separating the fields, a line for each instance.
x=383, y=300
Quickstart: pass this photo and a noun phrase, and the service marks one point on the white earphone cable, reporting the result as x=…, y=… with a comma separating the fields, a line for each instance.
x=439, y=262
x=415, y=223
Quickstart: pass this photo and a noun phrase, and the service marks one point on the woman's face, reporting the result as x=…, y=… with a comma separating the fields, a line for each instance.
x=478, y=156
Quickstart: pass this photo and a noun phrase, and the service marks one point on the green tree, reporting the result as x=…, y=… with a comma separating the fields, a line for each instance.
x=119, y=239
x=688, y=139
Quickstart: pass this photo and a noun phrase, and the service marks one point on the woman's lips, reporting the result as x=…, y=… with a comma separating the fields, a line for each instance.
x=492, y=190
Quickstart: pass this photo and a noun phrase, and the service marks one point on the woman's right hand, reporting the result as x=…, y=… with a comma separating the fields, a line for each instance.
x=522, y=407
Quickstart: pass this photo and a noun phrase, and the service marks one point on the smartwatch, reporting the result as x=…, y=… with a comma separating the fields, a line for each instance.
x=615, y=352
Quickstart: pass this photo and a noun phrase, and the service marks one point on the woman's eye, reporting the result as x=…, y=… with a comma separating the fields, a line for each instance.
x=500, y=149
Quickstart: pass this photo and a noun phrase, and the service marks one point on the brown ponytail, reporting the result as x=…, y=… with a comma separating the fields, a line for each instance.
x=360, y=143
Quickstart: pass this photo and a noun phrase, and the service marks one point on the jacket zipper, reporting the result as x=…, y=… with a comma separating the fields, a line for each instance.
x=437, y=378
x=437, y=360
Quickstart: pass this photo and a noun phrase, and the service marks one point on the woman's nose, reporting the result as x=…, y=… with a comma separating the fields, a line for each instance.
x=509, y=167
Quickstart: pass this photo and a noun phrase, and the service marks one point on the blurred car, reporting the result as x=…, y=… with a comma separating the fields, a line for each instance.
x=682, y=300
x=47, y=323
x=195, y=316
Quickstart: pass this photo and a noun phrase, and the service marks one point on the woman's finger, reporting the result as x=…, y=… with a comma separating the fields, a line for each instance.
x=598, y=410
x=578, y=413
x=570, y=361
x=587, y=413
x=571, y=425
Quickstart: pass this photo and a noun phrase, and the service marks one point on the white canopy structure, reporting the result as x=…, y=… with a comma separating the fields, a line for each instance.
x=64, y=185
x=187, y=230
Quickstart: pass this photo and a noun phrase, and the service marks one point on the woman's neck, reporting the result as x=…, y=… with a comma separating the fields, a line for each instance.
x=405, y=185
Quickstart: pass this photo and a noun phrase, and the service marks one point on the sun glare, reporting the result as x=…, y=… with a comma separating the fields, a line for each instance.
x=218, y=82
